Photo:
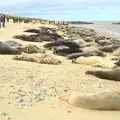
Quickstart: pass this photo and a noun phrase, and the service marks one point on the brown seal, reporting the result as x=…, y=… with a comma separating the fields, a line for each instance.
x=109, y=75
x=38, y=58
x=86, y=54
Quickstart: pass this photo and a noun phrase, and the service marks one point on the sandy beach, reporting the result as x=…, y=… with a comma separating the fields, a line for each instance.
x=21, y=78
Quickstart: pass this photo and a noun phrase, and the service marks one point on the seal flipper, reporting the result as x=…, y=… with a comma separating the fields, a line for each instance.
x=99, y=74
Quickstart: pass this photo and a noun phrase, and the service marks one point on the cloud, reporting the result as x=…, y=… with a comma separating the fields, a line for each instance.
x=64, y=10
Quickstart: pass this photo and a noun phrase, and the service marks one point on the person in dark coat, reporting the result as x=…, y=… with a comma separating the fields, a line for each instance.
x=0, y=21
x=3, y=20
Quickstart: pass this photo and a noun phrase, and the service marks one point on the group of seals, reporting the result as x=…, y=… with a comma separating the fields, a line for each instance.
x=38, y=58
x=13, y=47
x=63, y=48
x=104, y=100
x=43, y=34
x=62, y=43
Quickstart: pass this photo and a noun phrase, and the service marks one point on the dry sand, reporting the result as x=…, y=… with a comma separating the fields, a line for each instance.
x=24, y=79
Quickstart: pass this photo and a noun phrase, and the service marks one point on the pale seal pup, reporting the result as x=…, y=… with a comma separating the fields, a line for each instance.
x=38, y=58
x=95, y=61
x=104, y=100
x=92, y=60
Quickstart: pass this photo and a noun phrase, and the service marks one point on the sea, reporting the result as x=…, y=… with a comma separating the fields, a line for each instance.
x=103, y=27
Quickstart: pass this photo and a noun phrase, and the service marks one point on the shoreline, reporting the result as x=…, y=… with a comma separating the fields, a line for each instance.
x=104, y=28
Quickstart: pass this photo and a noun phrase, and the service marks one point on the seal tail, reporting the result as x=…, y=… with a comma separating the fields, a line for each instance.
x=99, y=74
x=89, y=72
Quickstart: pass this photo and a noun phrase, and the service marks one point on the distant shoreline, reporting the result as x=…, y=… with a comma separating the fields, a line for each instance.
x=104, y=28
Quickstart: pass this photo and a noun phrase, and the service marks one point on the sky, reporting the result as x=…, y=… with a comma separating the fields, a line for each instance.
x=64, y=10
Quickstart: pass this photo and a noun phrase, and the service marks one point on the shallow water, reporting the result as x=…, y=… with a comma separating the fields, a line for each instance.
x=106, y=27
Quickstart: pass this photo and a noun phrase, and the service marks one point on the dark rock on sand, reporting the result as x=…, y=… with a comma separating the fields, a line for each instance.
x=110, y=75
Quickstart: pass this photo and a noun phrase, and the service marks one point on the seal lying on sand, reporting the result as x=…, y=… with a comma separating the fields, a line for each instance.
x=109, y=48
x=12, y=43
x=95, y=61
x=33, y=31
x=97, y=38
x=79, y=41
x=65, y=51
x=62, y=43
x=32, y=49
x=89, y=39
x=116, y=52
x=4, y=49
x=69, y=44
x=36, y=37
x=104, y=42
x=118, y=61
x=38, y=58
x=92, y=60
x=52, y=44
x=26, y=37
x=86, y=54
x=110, y=75
x=105, y=100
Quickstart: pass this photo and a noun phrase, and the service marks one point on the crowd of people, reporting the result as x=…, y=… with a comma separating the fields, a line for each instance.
x=4, y=19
